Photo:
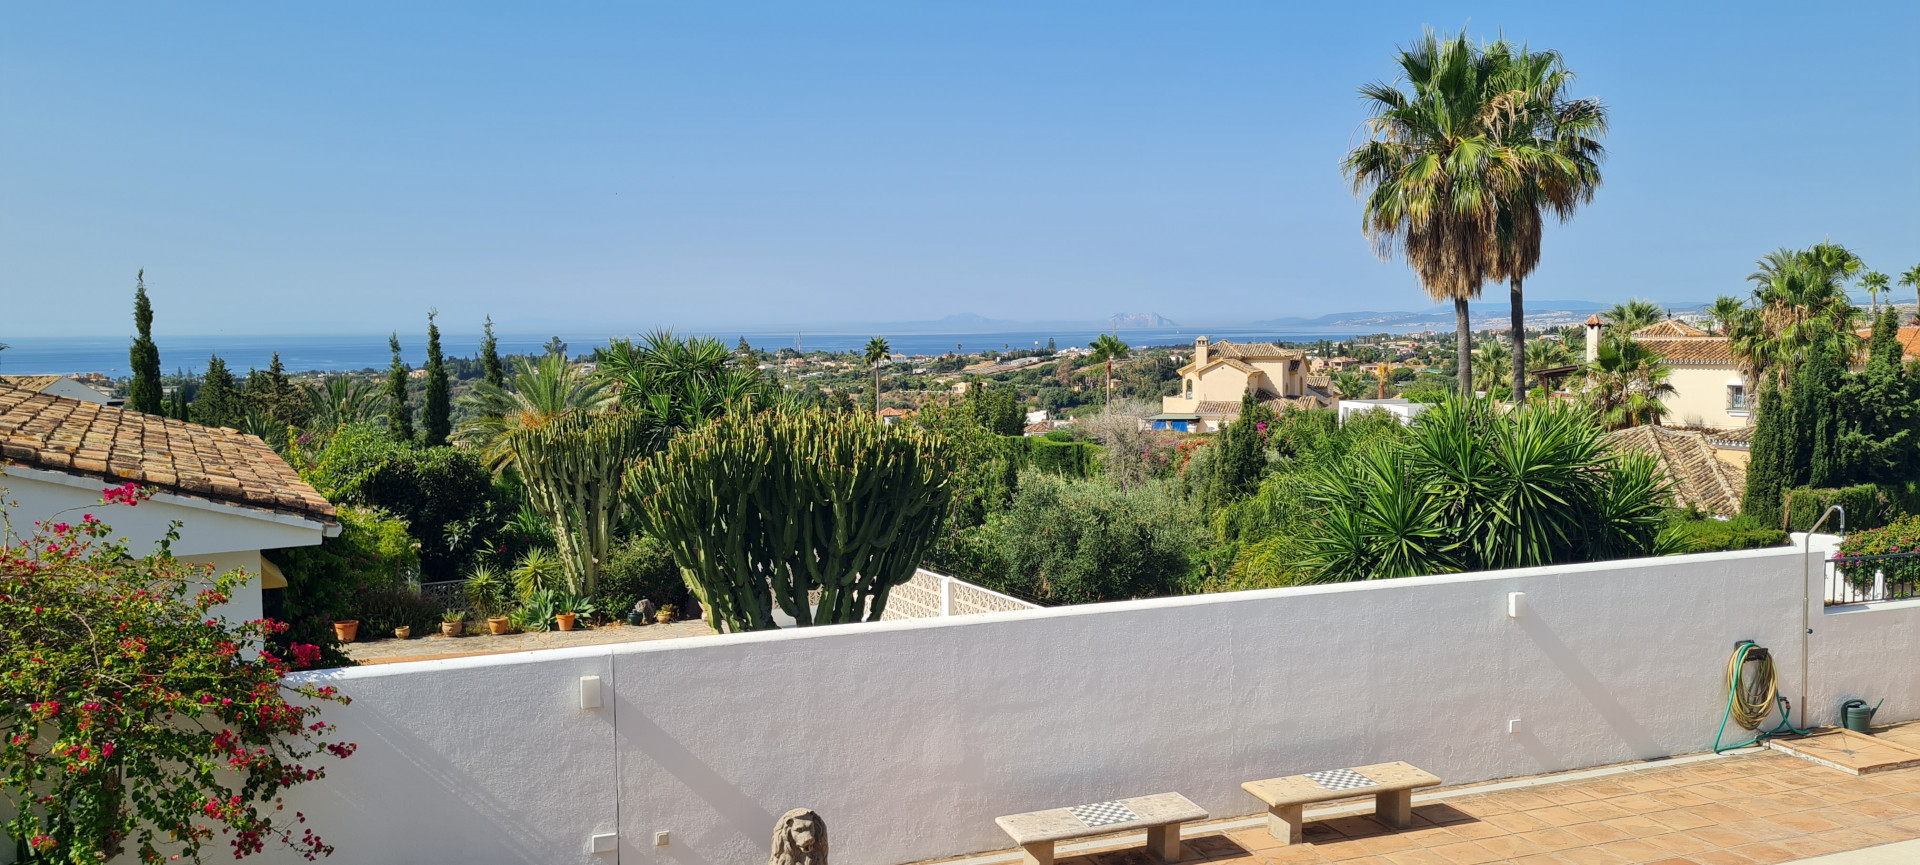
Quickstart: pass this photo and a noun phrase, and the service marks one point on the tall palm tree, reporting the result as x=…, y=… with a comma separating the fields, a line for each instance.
x=1427, y=176
x=1911, y=279
x=1625, y=318
x=1726, y=310
x=1108, y=348
x=1874, y=282
x=877, y=351
x=1546, y=159
x=339, y=399
x=1801, y=304
x=1547, y=354
x=537, y=394
x=1627, y=383
x=1492, y=363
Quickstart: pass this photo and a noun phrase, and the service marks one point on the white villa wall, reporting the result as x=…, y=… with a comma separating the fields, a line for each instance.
x=910, y=737
x=1699, y=397
x=225, y=536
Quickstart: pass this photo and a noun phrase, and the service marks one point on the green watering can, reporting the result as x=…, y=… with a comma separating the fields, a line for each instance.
x=1855, y=715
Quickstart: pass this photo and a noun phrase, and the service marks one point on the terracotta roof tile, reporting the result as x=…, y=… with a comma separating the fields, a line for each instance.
x=115, y=445
x=1702, y=350
x=1700, y=477
x=1669, y=327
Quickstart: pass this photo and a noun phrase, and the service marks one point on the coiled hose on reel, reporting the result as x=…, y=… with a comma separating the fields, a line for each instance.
x=1749, y=701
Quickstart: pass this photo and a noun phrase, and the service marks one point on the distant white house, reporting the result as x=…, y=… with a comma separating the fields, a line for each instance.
x=231, y=495
x=1405, y=410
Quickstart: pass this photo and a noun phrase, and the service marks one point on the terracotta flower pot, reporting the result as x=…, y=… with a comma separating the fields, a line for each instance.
x=404, y=632
x=450, y=629
x=497, y=625
x=346, y=631
x=565, y=621
x=663, y=618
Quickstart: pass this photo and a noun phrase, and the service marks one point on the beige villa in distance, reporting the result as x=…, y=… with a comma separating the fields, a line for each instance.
x=1221, y=373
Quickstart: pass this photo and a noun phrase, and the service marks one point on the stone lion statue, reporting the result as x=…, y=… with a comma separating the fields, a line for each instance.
x=800, y=838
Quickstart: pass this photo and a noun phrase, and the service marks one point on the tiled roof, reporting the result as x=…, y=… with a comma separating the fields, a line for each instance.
x=1669, y=327
x=35, y=383
x=1701, y=350
x=1594, y=320
x=1700, y=477
x=1217, y=407
x=1253, y=351
x=1738, y=437
x=896, y=412
x=1909, y=340
x=118, y=445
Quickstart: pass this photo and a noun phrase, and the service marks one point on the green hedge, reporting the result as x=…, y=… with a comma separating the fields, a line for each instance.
x=1867, y=506
x=1709, y=535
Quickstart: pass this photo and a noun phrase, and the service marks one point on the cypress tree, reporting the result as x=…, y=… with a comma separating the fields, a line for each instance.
x=1884, y=350
x=399, y=414
x=490, y=357
x=1767, y=456
x=272, y=394
x=177, y=403
x=1817, y=419
x=217, y=403
x=439, y=413
x=1242, y=456
x=144, y=357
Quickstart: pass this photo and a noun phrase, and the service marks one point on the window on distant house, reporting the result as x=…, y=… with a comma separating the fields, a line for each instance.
x=1736, y=397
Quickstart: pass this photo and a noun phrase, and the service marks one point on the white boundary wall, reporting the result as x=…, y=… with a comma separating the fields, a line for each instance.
x=910, y=737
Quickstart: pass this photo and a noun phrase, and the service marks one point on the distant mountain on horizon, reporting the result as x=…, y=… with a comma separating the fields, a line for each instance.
x=1484, y=314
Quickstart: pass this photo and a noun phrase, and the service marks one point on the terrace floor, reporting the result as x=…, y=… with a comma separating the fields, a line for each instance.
x=1759, y=806
x=477, y=642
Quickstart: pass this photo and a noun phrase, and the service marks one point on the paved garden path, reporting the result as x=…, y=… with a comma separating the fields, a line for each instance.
x=389, y=651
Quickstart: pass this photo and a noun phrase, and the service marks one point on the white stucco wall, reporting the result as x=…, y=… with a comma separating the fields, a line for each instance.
x=225, y=536
x=910, y=737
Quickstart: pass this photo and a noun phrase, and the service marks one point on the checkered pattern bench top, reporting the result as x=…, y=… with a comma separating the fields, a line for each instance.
x=1100, y=818
x=1333, y=784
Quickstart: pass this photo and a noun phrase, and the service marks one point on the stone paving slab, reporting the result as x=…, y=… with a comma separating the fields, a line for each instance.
x=434, y=647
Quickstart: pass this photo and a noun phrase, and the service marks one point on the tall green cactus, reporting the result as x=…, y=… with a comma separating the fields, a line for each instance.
x=574, y=469
x=762, y=508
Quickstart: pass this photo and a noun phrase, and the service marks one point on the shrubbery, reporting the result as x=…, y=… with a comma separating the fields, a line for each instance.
x=1073, y=542
x=332, y=581
x=445, y=495
x=640, y=568
x=1867, y=506
x=1702, y=535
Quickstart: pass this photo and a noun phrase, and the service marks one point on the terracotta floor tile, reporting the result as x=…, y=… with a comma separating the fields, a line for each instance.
x=1637, y=803
x=1636, y=826
x=1808, y=846
x=1416, y=857
x=1888, y=831
x=1873, y=809
x=1562, y=795
x=1721, y=857
x=1597, y=810
x=1761, y=830
x=1521, y=800
x=1644, y=782
x=1680, y=843
x=1511, y=846
x=1540, y=859
x=1466, y=853
x=1357, y=826
x=1838, y=795
x=1764, y=854
x=1215, y=846
x=1850, y=839
x=1796, y=800
x=1605, y=789
x=1341, y=851
x=1721, y=836
x=1475, y=830
x=1383, y=844
x=1553, y=839
x=1515, y=823
x=1597, y=833
x=1254, y=839
x=1675, y=861
x=1869, y=786
x=1679, y=819
x=1679, y=798
x=1637, y=850
x=1755, y=786
x=1761, y=806
x=1298, y=854
x=1592, y=856
x=1561, y=816
x=1720, y=814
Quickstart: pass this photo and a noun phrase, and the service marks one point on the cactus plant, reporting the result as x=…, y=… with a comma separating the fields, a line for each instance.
x=574, y=468
x=762, y=508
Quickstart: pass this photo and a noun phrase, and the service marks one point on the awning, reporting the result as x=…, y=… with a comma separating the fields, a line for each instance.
x=1174, y=416
x=270, y=576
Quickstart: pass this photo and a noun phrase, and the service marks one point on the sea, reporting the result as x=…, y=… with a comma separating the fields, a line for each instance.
x=28, y=355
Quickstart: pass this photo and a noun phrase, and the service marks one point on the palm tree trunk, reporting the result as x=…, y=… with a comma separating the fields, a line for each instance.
x=1463, y=347
x=1109, y=406
x=876, y=391
x=1519, y=345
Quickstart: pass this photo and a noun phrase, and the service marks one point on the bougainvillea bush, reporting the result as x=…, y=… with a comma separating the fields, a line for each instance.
x=1899, y=539
x=136, y=722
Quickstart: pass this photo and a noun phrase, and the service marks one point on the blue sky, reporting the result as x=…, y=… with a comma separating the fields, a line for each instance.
x=310, y=168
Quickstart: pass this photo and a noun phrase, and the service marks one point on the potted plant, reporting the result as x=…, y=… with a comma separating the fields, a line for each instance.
x=404, y=632
x=347, y=630
x=563, y=614
x=453, y=623
x=664, y=614
x=641, y=613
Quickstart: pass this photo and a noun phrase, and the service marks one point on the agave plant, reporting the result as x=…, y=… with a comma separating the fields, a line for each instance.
x=1475, y=487
x=677, y=383
x=538, y=571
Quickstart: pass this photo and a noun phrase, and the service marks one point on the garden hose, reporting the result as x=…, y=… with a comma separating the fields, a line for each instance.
x=1749, y=701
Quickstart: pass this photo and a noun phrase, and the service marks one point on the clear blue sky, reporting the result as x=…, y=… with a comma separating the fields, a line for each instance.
x=289, y=168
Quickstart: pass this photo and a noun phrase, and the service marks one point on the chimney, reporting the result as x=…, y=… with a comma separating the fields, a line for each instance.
x=1593, y=338
x=1199, y=352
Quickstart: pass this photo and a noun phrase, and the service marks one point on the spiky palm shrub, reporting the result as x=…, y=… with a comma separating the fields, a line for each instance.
x=761, y=508
x=539, y=393
x=574, y=469
x=1472, y=487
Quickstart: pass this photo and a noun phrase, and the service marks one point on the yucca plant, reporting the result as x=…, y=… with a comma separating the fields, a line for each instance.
x=539, y=570
x=489, y=592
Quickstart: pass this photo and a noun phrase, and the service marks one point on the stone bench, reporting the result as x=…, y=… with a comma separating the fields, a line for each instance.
x=1392, y=786
x=1161, y=815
